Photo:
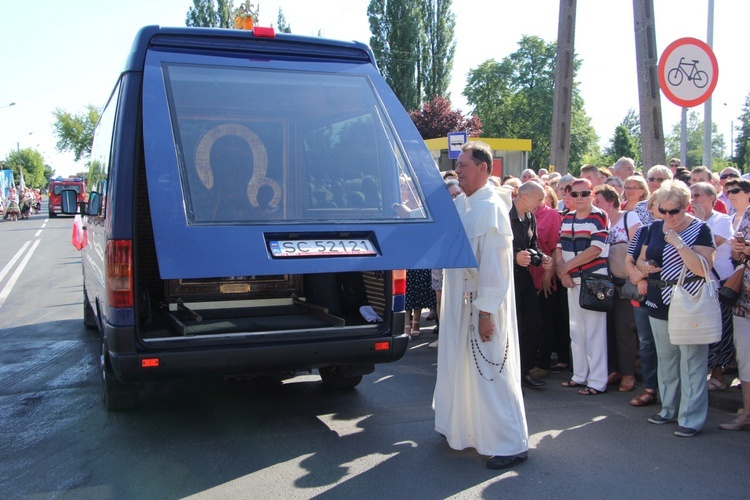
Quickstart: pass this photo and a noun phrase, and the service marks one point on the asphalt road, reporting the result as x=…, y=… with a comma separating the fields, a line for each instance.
x=265, y=438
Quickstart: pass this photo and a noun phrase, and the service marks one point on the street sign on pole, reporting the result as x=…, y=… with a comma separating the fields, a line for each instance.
x=688, y=72
x=456, y=140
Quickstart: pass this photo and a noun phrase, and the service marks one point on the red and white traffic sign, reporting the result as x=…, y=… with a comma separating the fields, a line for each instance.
x=688, y=72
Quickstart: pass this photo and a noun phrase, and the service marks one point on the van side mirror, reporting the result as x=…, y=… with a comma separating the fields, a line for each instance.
x=69, y=201
x=94, y=206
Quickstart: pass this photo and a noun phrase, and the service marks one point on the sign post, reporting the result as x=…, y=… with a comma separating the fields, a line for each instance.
x=456, y=140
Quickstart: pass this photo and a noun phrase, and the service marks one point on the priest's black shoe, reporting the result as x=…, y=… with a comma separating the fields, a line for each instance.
x=499, y=462
x=532, y=382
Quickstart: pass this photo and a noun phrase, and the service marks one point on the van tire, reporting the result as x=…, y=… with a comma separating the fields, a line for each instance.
x=115, y=394
x=89, y=316
x=335, y=377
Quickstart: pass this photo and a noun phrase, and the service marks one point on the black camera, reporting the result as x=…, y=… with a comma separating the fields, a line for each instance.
x=536, y=257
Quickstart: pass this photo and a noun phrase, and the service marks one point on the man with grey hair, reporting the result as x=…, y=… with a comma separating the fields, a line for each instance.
x=478, y=400
x=527, y=253
x=624, y=168
x=527, y=174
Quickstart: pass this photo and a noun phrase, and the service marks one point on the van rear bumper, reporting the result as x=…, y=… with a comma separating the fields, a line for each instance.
x=252, y=359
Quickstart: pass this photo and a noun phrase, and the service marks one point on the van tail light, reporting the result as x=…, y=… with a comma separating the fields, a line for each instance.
x=399, y=290
x=120, y=273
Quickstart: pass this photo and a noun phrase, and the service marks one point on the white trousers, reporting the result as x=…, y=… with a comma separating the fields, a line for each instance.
x=588, y=343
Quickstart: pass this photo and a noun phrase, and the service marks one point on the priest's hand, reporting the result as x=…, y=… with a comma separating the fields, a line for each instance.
x=486, y=326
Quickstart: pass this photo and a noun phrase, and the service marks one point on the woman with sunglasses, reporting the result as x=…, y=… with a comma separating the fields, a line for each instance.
x=740, y=188
x=721, y=353
x=655, y=176
x=680, y=240
x=583, y=246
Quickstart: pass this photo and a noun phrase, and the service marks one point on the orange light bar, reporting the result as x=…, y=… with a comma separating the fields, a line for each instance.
x=149, y=362
x=382, y=346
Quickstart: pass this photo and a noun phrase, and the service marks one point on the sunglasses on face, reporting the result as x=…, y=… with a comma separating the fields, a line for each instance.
x=734, y=191
x=674, y=211
x=583, y=194
x=656, y=179
x=728, y=176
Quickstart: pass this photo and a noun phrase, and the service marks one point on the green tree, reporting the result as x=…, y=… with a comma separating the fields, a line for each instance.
x=206, y=14
x=75, y=133
x=742, y=142
x=396, y=30
x=514, y=98
x=281, y=25
x=695, y=142
x=621, y=144
x=439, y=48
x=32, y=164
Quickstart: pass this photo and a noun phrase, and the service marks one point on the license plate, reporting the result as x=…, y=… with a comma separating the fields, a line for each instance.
x=320, y=248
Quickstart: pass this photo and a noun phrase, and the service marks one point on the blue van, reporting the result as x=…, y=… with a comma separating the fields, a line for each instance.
x=253, y=202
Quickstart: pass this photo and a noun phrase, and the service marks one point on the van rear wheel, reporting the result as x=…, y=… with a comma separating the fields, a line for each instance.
x=336, y=377
x=115, y=394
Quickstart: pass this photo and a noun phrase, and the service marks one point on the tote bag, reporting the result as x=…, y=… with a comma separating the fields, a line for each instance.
x=694, y=319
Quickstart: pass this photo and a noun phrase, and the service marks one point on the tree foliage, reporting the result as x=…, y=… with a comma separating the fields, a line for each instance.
x=742, y=143
x=621, y=144
x=207, y=14
x=439, y=47
x=75, y=133
x=32, y=164
x=514, y=98
x=695, y=142
x=281, y=25
x=395, y=27
x=436, y=119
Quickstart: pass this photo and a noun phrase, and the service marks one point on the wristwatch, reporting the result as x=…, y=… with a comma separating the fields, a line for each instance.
x=680, y=246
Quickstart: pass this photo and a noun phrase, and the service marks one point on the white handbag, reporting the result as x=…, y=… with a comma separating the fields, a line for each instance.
x=694, y=319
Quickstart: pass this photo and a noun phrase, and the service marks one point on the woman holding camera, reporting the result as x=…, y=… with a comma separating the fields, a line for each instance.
x=583, y=247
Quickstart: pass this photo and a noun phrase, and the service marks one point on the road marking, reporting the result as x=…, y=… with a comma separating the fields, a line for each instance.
x=37, y=233
x=13, y=261
x=12, y=281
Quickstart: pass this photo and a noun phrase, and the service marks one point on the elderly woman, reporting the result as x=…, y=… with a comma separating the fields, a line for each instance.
x=583, y=246
x=678, y=240
x=740, y=251
x=655, y=176
x=721, y=353
x=621, y=345
x=636, y=190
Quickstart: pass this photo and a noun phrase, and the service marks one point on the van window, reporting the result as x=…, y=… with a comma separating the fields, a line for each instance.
x=102, y=149
x=303, y=147
x=58, y=188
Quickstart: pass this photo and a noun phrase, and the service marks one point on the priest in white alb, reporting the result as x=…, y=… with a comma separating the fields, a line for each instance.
x=478, y=401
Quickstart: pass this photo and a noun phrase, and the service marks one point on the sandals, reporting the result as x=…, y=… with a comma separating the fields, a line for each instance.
x=627, y=383
x=572, y=383
x=415, y=329
x=715, y=385
x=647, y=398
x=590, y=391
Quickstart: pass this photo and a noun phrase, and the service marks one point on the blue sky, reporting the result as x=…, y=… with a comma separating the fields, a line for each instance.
x=68, y=54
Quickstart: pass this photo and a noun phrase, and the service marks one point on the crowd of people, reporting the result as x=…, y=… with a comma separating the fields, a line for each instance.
x=20, y=203
x=646, y=231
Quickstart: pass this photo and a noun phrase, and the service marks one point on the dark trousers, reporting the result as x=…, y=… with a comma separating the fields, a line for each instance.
x=555, y=327
x=529, y=326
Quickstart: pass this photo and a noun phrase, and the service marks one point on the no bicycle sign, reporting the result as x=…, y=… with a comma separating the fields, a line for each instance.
x=688, y=72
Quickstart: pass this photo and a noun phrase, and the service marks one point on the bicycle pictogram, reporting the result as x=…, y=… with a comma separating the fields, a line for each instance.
x=693, y=74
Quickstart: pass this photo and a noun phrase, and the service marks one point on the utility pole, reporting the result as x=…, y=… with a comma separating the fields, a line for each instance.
x=707, y=118
x=561, y=107
x=649, y=98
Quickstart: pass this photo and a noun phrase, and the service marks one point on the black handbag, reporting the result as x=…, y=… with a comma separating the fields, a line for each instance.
x=597, y=292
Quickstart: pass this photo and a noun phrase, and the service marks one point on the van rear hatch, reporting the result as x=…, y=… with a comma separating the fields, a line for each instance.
x=266, y=160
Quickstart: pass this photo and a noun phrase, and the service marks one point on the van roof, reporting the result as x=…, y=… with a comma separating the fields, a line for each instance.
x=215, y=40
